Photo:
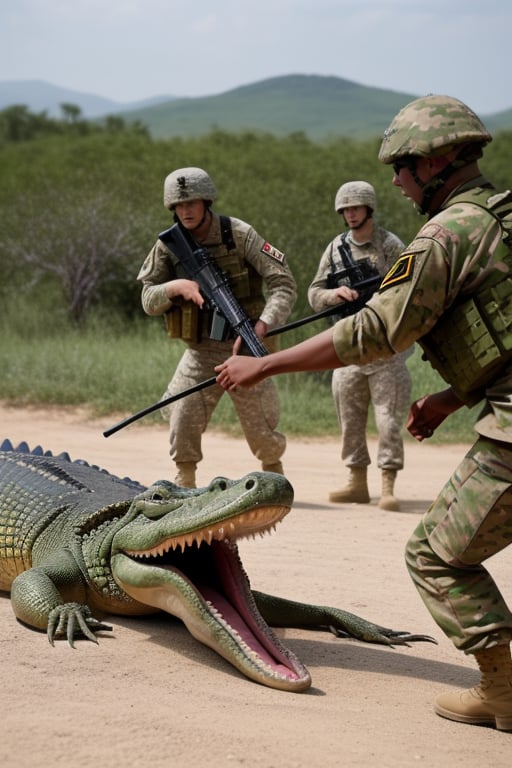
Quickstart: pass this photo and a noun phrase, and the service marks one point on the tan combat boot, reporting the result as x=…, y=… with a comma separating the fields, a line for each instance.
x=277, y=467
x=387, y=499
x=186, y=474
x=490, y=702
x=356, y=489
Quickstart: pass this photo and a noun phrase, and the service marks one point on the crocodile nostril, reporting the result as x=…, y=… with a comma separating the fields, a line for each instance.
x=250, y=484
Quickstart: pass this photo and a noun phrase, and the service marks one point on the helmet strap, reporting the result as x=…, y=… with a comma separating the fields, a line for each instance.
x=429, y=188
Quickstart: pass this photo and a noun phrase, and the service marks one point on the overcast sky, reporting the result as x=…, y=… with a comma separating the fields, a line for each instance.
x=127, y=50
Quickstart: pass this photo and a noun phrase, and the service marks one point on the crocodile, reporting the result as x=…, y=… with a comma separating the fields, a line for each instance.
x=78, y=544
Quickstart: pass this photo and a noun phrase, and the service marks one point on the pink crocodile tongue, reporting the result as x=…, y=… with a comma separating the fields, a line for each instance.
x=235, y=621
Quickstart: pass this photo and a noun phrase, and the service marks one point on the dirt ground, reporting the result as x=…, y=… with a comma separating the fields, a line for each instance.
x=149, y=694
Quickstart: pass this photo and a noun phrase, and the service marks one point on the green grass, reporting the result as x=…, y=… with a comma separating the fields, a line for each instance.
x=118, y=370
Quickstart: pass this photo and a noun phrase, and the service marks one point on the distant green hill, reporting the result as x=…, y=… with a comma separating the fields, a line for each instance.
x=501, y=121
x=320, y=107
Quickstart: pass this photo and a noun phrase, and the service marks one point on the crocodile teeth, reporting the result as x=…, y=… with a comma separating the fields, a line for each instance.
x=247, y=524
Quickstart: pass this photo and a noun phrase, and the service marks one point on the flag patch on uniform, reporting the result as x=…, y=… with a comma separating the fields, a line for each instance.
x=269, y=250
x=401, y=271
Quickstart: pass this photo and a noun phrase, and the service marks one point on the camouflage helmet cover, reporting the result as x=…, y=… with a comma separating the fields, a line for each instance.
x=354, y=193
x=188, y=184
x=429, y=126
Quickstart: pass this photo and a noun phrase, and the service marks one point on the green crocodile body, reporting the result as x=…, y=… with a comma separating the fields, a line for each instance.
x=77, y=544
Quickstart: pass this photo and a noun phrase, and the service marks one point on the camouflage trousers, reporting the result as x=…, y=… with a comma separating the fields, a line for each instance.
x=470, y=521
x=386, y=386
x=257, y=408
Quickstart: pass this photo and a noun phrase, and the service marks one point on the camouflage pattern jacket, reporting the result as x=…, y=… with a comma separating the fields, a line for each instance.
x=267, y=269
x=453, y=257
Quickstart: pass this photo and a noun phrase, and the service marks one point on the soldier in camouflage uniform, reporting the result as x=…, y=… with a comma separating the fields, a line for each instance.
x=450, y=290
x=253, y=266
x=385, y=383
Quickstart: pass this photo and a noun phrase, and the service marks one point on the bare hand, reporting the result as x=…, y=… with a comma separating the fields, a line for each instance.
x=260, y=329
x=346, y=293
x=239, y=370
x=427, y=413
x=187, y=289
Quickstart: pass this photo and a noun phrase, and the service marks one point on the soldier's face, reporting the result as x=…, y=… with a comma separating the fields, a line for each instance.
x=406, y=180
x=412, y=183
x=190, y=213
x=354, y=215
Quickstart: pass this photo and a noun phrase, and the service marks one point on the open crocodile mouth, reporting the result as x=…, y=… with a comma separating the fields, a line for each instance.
x=199, y=578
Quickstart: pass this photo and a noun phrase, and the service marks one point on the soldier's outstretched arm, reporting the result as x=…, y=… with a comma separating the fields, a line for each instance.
x=315, y=354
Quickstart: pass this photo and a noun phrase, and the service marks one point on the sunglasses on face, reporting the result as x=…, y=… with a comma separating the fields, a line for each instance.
x=399, y=165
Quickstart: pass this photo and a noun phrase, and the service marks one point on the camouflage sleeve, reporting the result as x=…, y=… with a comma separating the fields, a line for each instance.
x=156, y=270
x=280, y=287
x=319, y=296
x=410, y=300
x=450, y=256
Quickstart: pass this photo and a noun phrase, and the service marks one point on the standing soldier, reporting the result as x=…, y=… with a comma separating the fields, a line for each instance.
x=365, y=249
x=450, y=290
x=263, y=285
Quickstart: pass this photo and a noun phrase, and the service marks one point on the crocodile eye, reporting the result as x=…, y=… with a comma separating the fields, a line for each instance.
x=157, y=497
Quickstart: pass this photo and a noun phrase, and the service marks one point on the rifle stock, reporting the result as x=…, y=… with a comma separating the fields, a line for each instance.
x=370, y=284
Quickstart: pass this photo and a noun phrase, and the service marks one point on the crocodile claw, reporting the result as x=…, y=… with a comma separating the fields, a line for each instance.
x=73, y=619
x=373, y=633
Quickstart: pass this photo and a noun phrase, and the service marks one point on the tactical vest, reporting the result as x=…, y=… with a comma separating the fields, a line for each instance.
x=185, y=320
x=354, y=273
x=348, y=271
x=471, y=344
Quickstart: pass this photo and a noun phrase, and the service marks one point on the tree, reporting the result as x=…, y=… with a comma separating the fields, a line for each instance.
x=83, y=240
x=70, y=112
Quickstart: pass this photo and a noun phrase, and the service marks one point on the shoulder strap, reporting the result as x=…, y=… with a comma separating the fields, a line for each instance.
x=342, y=251
x=226, y=233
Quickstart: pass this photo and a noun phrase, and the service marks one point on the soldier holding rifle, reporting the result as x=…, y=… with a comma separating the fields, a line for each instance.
x=262, y=284
x=364, y=250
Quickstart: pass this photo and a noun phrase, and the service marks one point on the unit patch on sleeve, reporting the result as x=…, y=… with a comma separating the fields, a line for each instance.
x=400, y=272
x=269, y=250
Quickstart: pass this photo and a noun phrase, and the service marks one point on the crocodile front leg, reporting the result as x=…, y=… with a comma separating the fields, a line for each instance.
x=51, y=597
x=279, y=612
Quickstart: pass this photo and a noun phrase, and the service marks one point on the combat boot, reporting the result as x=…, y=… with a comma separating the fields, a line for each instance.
x=277, y=467
x=490, y=702
x=186, y=474
x=356, y=489
x=387, y=499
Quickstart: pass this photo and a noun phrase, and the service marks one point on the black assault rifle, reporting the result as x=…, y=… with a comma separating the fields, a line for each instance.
x=214, y=284
x=367, y=286
x=355, y=273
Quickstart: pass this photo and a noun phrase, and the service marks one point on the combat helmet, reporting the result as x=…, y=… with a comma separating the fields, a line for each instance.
x=188, y=184
x=354, y=193
x=430, y=126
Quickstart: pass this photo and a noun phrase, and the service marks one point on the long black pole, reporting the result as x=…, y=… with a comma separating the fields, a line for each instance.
x=371, y=282
x=159, y=404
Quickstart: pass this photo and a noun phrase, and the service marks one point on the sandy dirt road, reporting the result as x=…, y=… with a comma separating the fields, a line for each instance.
x=149, y=694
